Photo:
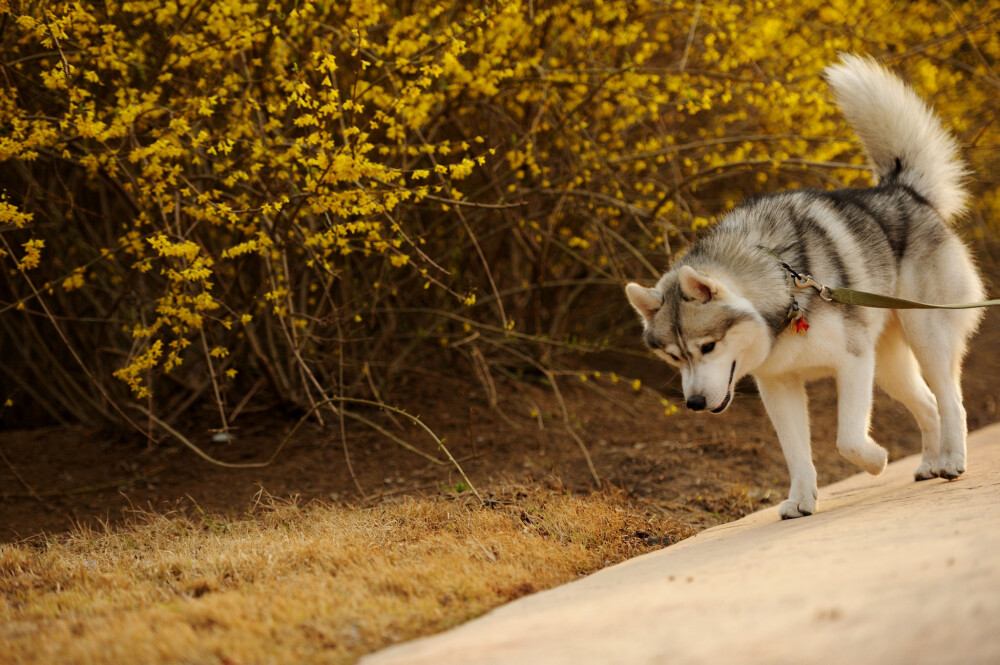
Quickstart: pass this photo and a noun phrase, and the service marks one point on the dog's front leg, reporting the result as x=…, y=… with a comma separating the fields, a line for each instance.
x=788, y=406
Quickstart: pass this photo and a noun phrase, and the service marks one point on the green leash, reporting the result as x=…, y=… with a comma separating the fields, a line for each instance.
x=846, y=296
x=865, y=299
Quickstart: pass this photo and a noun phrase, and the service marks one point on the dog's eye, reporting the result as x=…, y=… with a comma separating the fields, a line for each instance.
x=707, y=348
x=673, y=357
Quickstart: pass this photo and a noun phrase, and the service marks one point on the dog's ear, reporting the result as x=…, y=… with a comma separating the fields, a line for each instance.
x=697, y=285
x=647, y=302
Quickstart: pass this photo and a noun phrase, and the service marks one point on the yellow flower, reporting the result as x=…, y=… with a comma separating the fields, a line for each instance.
x=11, y=215
x=32, y=254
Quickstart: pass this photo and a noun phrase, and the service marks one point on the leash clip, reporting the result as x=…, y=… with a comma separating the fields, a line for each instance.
x=807, y=282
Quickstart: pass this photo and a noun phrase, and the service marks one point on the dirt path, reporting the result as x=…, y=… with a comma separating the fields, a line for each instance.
x=889, y=571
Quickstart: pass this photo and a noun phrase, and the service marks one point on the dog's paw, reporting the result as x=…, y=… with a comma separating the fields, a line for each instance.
x=876, y=461
x=870, y=456
x=926, y=471
x=792, y=508
x=951, y=466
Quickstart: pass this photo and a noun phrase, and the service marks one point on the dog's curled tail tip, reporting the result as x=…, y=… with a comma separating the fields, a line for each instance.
x=903, y=137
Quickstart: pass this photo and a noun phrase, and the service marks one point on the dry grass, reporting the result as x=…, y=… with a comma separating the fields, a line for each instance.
x=292, y=584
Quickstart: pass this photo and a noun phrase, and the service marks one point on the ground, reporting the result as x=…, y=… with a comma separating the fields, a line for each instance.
x=694, y=467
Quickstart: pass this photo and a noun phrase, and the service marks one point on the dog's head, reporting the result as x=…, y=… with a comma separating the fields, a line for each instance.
x=702, y=325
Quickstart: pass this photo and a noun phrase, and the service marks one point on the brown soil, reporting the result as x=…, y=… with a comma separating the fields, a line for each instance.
x=699, y=468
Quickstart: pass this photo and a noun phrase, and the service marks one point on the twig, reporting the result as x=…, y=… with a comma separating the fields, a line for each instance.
x=330, y=400
x=492, y=328
x=389, y=435
x=341, y=412
x=202, y=454
x=627, y=408
x=215, y=383
x=89, y=488
x=750, y=163
x=31, y=490
x=246, y=400
x=366, y=370
x=475, y=244
x=690, y=39
x=562, y=406
x=79, y=361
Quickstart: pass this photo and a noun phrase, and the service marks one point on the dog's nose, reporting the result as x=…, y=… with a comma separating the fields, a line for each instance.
x=696, y=402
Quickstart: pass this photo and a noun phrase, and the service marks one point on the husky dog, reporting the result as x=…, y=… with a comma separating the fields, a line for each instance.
x=724, y=309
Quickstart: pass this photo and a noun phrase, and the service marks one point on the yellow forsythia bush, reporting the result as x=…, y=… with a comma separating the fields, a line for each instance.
x=198, y=199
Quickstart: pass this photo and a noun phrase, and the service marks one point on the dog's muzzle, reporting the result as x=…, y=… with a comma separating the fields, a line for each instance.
x=729, y=391
x=699, y=403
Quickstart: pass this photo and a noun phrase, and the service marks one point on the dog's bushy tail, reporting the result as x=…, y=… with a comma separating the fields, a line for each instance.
x=903, y=137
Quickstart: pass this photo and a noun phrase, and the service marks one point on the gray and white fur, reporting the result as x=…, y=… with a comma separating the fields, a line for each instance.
x=722, y=311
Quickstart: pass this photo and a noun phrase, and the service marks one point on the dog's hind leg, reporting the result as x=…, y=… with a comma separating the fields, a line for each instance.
x=938, y=342
x=787, y=405
x=855, y=380
x=897, y=373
